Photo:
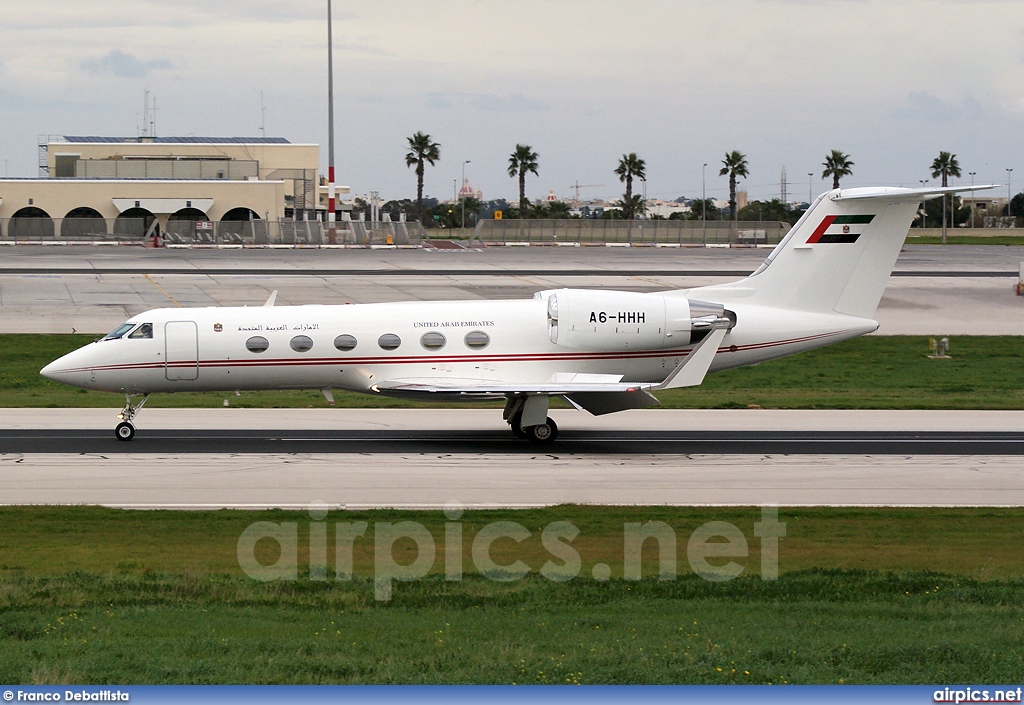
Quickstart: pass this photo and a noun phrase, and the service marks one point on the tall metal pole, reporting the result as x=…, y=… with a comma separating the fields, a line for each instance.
x=973, y=204
x=944, y=215
x=703, y=206
x=331, y=234
x=810, y=187
x=463, y=198
x=924, y=206
x=1008, y=177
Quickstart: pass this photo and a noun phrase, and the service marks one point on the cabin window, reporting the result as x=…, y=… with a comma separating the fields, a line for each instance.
x=345, y=342
x=301, y=343
x=477, y=339
x=143, y=331
x=119, y=331
x=389, y=341
x=433, y=340
x=257, y=344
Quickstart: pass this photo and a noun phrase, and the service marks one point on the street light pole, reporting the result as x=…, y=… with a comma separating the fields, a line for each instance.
x=973, y=203
x=924, y=205
x=463, y=198
x=331, y=233
x=703, y=206
x=1008, y=177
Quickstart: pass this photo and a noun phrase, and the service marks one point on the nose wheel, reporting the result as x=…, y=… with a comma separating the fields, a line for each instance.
x=125, y=431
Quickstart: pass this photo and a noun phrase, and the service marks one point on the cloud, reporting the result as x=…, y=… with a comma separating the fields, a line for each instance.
x=117, y=63
x=484, y=102
x=515, y=103
x=923, y=106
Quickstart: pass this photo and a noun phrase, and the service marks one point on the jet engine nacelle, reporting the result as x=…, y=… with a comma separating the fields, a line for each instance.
x=609, y=321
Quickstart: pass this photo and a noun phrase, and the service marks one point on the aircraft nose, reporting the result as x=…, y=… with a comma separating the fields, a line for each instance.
x=52, y=370
x=62, y=368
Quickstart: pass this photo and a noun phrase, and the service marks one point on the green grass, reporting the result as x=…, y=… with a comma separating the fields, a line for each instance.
x=93, y=595
x=982, y=543
x=965, y=239
x=813, y=627
x=876, y=372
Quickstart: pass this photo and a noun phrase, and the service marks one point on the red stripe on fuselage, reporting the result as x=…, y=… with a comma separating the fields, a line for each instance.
x=820, y=230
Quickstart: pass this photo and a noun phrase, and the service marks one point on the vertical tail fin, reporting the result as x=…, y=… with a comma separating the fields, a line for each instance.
x=839, y=256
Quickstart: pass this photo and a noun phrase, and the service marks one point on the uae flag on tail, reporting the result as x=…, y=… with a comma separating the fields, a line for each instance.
x=840, y=228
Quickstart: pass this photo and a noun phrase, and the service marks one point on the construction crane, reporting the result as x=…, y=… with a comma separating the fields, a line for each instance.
x=577, y=186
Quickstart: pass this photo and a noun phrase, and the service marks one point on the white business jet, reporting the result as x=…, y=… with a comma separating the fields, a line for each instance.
x=602, y=351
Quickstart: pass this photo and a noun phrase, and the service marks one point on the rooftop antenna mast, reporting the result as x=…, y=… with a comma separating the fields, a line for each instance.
x=145, y=114
x=263, y=116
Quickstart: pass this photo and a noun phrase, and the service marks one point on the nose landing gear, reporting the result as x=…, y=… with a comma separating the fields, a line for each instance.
x=125, y=431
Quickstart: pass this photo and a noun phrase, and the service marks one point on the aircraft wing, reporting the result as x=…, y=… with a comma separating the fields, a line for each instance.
x=596, y=397
x=597, y=393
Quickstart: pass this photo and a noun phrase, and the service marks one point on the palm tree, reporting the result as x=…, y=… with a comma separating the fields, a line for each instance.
x=837, y=165
x=945, y=165
x=634, y=206
x=630, y=167
x=734, y=164
x=521, y=161
x=421, y=150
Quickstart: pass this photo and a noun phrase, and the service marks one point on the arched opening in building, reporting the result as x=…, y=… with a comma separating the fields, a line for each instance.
x=30, y=223
x=240, y=225
x=135, y=222
x=181, y=225
x=83, y=223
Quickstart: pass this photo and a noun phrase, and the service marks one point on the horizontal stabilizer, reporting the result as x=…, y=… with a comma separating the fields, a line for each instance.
x=904, y=194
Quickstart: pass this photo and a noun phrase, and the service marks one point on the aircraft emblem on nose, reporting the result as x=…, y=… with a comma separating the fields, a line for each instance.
x=217, y=327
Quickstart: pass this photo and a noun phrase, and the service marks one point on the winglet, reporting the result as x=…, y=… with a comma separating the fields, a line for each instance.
x=272, y=298
x=691, y=371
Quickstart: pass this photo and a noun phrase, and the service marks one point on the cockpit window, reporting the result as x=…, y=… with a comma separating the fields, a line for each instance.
x=119, y=331
x=143, y=331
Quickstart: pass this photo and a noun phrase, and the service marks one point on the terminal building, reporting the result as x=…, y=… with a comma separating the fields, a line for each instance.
x=92, y=188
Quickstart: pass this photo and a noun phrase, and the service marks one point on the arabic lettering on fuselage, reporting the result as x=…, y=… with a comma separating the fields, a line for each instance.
x=281, y=326
x=452, y=324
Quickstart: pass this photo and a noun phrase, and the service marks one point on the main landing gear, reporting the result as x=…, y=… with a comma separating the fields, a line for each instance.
x=533, y=409
x=125, y=431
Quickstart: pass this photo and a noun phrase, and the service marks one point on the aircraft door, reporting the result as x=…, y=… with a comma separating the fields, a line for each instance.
x=181, y=350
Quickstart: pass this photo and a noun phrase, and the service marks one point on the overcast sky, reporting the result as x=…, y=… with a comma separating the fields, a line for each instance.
x=679, y=83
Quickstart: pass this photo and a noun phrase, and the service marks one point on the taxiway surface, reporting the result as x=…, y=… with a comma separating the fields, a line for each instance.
x=934, y=291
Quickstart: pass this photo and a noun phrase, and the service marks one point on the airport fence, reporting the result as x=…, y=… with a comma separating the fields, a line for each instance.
x=223, y=233
x=635, y=232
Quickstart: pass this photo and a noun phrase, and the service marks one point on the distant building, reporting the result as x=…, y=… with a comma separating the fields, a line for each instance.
x=467, y=191
x=138, y=185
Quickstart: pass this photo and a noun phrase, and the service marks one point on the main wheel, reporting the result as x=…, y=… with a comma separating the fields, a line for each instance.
x=516, y=423
x=124, y=431
x=546, y=432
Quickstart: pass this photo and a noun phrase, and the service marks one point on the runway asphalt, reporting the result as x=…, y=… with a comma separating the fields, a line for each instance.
x=634, y=443
x=426, y=458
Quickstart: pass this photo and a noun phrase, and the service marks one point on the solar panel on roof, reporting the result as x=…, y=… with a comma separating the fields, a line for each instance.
x=177, y=140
